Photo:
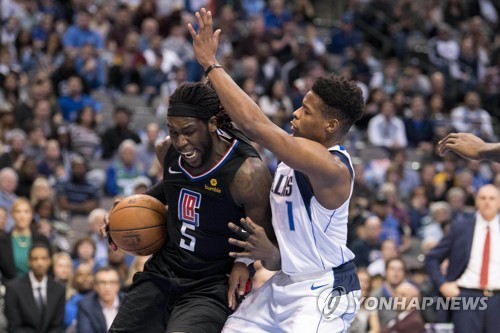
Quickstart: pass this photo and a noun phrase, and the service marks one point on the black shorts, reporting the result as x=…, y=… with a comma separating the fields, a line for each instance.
x=155, y=303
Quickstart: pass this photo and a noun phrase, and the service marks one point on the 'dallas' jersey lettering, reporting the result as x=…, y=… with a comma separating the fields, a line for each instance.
x=199, y=209
x=311, y=238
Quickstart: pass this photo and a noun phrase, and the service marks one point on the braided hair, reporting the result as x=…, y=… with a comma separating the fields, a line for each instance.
x=203, y=96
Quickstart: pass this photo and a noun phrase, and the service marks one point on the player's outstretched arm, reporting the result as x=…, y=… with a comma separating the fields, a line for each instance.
x=300, y=154
x=469, y=146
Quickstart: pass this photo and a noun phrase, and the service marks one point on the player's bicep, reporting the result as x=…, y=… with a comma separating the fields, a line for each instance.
x=250, y=188
x=300, y=154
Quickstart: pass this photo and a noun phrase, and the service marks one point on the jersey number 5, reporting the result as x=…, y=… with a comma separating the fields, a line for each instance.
x=189, y=203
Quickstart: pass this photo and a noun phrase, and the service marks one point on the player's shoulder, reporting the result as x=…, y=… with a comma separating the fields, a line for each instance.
x=162, y=147
x=251, y=176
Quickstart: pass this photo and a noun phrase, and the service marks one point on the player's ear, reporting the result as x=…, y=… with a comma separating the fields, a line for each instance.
x=332, y=125
x=212, y=124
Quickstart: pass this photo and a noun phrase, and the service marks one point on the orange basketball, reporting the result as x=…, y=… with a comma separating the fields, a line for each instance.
x=137, y=224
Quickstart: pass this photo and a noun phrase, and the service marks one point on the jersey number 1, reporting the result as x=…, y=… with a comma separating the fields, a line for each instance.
x=290, y=215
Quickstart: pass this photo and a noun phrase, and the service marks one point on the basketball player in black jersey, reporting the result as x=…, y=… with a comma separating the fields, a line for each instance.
x=212, y=175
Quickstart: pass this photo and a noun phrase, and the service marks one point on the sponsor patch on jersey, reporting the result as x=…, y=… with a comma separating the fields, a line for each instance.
x=213, y=186
x=189, y=203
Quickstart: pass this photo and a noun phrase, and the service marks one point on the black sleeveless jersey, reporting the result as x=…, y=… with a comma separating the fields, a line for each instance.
x=199, y=209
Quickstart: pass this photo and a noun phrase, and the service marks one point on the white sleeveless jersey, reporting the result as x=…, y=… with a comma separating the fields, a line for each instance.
x=311, y=238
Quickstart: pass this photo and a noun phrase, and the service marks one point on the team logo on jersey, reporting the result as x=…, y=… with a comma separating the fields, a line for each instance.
x=213, y=186
x=189, y=203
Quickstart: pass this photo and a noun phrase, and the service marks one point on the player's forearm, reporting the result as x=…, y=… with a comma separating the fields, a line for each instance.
x=490, y=151
x=245, y=113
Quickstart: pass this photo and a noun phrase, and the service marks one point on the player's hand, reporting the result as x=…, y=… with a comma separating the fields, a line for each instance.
x=257, y=246
x=104, y=230
x=206, y=41
x=237, y=283
x=465, y=144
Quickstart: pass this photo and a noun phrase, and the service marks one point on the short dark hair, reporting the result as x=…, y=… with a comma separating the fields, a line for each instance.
x=343, y=99
x=38, y=245
x=389, y=261
x=204, y=96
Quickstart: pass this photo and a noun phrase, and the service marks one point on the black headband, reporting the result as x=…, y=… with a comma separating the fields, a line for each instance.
x=189, y=110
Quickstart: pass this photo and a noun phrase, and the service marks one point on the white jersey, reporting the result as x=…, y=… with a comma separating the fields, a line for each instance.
x=311, y=238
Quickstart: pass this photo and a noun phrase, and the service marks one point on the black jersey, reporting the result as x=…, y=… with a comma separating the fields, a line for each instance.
x=199, y=209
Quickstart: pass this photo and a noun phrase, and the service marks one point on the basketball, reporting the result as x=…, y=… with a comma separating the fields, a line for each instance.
x=137, y=224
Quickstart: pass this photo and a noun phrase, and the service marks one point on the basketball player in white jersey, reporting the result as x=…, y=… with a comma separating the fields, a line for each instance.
x=316, y=289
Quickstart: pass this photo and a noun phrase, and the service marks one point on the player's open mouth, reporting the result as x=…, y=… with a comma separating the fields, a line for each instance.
x=189, y=155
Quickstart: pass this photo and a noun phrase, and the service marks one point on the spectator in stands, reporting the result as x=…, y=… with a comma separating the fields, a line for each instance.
x=83, y=135
x=97, y=310
x=471, y=118
x=75, y=100
x=275, y=15
x=177, y=41
x=90, y=67
x=388, y=250
x=44, y=117
x=84, y=253
x=276, y=99
x=82, y=284
x=8, y=185
x=386, y=129
x=408, y=319
x=76, y=195
x=95, y=219
x=36, y=141
x=418, y=128
x=436, y=225
x=408, y=178
x=41, y=190
x=456, y=198
x=52, y=164
x=366, y=319
x=391, y=228
x=47, y=224
x=146, y=150
x=418, y=209
x=124, y=77
x=444, y=50
x=121, y=26
x=124, y=171
x=155, y=52
x=15, y=245
x=367, y=246
x=117, y=261
x=149, y=29
x=345, y=37
x=27, y=175
x=62, y=268
x=14, y=156
x=4, y=213
x=80, y=34
x=37, y=288
x=395, y=274
x=114, y=136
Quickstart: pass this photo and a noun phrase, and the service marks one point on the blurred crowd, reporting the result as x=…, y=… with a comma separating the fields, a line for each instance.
x=84, y=89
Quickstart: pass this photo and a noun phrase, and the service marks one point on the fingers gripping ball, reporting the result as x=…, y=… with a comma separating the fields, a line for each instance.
x=137, y=224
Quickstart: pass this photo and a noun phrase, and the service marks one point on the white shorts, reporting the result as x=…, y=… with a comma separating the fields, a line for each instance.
x=326, y=301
